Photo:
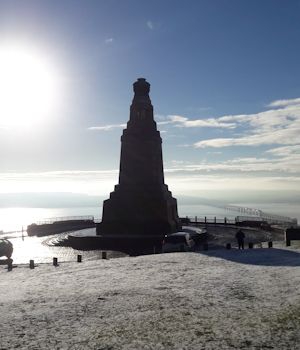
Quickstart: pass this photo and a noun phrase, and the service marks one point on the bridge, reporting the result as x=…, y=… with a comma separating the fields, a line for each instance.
x=268, y=217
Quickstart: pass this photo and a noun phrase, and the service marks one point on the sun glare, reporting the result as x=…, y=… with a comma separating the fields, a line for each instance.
x=28, y=87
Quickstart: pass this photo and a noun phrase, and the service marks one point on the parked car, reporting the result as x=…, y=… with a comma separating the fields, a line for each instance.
x=6, y=248
x=178, y=242
x=199, y=235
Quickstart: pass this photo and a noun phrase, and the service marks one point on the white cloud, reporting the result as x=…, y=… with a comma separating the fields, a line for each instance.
x=77, y=181
x=285, y=150
x=275, y=126
x=109, y=40
x=163, y=123
x=200, y=183
x=66, y=174
x=184, y=145
x=284, y=103
x=107, y=127
x=150, y=25
x=214, y=152
x=283, y=165
x=186, y=177
x=180, y=121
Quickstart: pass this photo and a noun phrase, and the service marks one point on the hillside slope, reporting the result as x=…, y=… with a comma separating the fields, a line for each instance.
x=219, y=300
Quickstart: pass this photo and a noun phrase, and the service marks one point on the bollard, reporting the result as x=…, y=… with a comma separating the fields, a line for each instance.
x=228, y=246
x=55, y=263
x=31, y=264
x=205, y=246
x=9, y=264
x=79, y=258
x=225, y=220
x=205, y=219
x=250, y=245
x=104, y=255
x=288, y=242
x=270, y=244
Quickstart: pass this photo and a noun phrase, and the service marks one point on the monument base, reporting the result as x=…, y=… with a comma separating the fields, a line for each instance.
x=131, y=245
x=141, y=211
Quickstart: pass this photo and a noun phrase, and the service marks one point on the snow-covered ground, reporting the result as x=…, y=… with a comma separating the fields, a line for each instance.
x=217, y=299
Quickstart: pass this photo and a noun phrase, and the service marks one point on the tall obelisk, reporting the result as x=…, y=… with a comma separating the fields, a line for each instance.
x=141, y=203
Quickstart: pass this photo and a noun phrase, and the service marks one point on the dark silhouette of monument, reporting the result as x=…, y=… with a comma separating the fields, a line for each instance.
x=141, y=204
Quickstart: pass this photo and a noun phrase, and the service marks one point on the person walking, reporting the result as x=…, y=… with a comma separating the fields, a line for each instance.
x=240, y=237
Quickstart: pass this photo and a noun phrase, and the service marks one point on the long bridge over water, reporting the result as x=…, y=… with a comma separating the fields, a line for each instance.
x=253, y=213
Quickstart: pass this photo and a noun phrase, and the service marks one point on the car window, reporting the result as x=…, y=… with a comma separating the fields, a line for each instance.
x=175, y=239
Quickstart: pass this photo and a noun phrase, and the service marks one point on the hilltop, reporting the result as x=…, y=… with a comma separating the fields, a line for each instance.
x=217, y=300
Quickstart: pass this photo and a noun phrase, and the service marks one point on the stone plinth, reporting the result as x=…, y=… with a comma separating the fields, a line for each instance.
x=141, y=203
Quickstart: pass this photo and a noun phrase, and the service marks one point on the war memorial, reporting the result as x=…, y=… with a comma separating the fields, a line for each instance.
x=141, y=209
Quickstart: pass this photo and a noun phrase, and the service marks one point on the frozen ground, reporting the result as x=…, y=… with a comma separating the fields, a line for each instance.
x=218, y=300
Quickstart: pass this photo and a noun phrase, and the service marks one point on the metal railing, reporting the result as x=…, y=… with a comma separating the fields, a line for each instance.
x=65, y=218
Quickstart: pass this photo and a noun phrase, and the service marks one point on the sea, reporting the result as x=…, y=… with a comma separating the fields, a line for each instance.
x=14, y=221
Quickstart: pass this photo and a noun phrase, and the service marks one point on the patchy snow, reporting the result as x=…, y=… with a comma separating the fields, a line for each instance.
x=219, y=299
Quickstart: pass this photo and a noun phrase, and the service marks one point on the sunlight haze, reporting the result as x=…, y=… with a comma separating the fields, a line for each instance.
x=224, y=85
x=29, y=88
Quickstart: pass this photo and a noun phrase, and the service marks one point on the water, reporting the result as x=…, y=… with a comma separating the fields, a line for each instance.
x=286, y=209
x=38, y=249
x=13, y=219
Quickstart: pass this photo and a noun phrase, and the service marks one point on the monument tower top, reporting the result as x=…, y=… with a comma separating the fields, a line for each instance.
x=141, y=87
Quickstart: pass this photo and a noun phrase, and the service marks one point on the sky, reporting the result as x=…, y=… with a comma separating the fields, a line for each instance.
x=225, y=86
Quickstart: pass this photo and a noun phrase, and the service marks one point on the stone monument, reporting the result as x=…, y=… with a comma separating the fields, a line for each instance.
x=141, y=204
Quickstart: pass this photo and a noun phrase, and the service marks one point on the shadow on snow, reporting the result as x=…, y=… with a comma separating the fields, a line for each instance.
x=258, y=256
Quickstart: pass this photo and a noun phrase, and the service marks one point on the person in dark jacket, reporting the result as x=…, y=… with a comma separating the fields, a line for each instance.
x=240, y=237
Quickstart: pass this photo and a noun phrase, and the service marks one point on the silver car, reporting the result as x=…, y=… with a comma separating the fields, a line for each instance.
x=178, y=242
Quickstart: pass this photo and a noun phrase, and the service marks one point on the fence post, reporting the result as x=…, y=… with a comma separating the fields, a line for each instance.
x=270, y=244
x=104, y=255
x=31, y=264
x=250, y=245
x=55, y=263
x=288, y=242
x=79, y=258
x=225, y=220
x=196, y=219
x=205, y=219
x=9, y=264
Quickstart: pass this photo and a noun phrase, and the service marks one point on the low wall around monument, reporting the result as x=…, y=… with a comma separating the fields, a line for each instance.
x=132, y=245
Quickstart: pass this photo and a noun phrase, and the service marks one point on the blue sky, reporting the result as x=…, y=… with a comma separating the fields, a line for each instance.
x=224, y=84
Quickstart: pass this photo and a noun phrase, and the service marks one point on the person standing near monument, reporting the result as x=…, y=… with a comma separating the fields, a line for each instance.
x=240, y=237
